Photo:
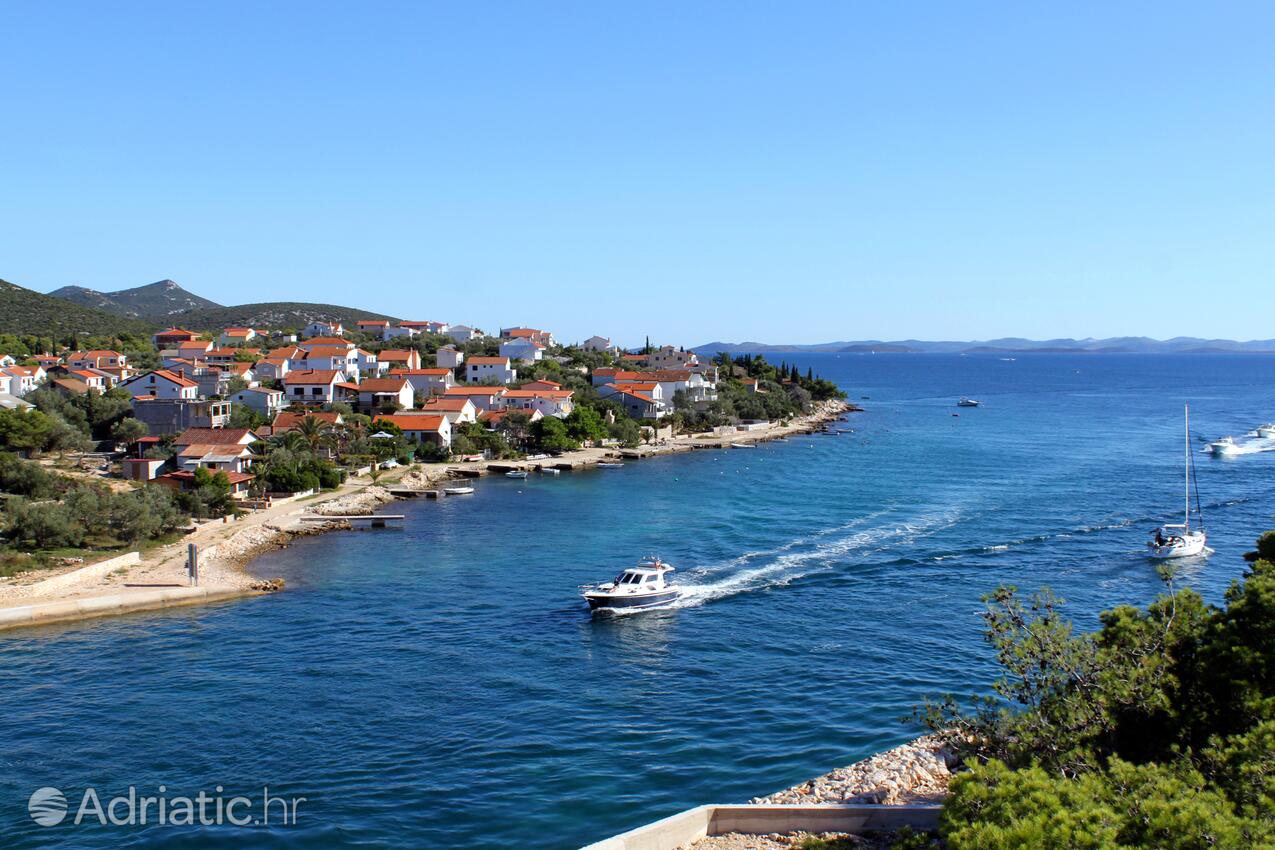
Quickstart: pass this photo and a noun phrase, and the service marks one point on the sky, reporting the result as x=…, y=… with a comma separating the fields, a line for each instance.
x=779, y=172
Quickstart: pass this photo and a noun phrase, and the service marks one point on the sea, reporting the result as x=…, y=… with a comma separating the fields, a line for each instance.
x=444, y=686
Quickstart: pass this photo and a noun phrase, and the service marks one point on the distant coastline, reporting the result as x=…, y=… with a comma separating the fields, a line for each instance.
x=1007, y=345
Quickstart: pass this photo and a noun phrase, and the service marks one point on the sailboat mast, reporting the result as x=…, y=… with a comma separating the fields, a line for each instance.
x=1186, y=517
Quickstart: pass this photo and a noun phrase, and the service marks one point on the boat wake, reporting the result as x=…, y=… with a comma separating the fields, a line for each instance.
x=804, y=556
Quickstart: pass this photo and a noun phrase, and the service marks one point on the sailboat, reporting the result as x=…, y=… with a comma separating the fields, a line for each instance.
x=1179, y=540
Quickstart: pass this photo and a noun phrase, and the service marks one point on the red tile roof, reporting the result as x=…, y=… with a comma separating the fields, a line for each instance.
x=490, y=361
x=175, y=378
x=413, y=421
x=286, y=421
x=437, y=372
x=396, y=354
x=382, y=385
x=311, y=376
x=454, y=403
x=212, y=436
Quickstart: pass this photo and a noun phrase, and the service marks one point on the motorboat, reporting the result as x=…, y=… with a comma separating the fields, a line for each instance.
x=1266, y=432
x=1179, y=540
x=549, y=470
x=458, y=490
x=1223, y=447
x=743, y=445
x=968, y=402
x=609, y=464
x=516, y=473
x=642, y=586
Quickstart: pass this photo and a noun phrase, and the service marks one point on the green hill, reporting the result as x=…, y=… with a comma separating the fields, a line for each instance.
x=274, y=314
x=23, y=311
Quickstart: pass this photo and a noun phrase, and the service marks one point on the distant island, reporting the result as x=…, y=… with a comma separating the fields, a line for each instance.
x=1006, y=345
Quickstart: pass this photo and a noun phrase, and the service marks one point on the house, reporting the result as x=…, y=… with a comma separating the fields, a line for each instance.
x=399, y=332
x=380, y=393
x=272, y=368
x=173, y=337
x=312, y=386
x=753, y=385
x=668, y=357
x=369, y=363
x=161, y=383
x=522, y=348
x=449, y=357
x=223, y=356
x=372, y=326
x=420, y=427
x=459, y=411
x=215, y=448
x=636, y=359
x=463, y=333
x=426, y=381
x=484, y=398
x=640, y=401
x=401, y=358
x=184, y=480
x=91, y=379
x=542, y=337
x=8, y=360
x=426, y=327
x=480, y=369
x=237, y=336
x=288, y=420
x=597, y=343
x=336, y=358
x=141, y=468
x=96, y=359
x=24, y=379
x=697, y=388
x=326, y=342
x=174, y=415
x=549, y=402
x=492, y=418
x=323, y=329
x=69, y=386
x=265, y=401
x=46, y=361
x=541, y=384
x=209, y=380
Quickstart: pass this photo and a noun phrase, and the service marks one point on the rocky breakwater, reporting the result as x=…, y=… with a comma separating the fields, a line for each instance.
x=916, y=773
x=363, y=502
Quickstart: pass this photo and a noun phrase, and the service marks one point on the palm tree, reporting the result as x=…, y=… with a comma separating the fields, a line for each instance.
x=314, y=430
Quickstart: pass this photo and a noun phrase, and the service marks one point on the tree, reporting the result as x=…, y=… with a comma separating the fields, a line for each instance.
x=129, y=431
x=585, y=423
x=26, y=432
x=550, y=435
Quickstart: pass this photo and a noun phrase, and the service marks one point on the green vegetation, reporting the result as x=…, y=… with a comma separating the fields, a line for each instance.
x=27, y=313
x=156, y=302
x=1156, y=731
x=274, y=315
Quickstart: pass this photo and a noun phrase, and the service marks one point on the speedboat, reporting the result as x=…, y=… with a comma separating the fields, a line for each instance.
x=643, y=586
x=1224, y=446
x=1266, y=432
x=516, y=473
x=968, y=402
x=549, y=470
x=1179, y=540
x=743, y=445
x=607, y=464
x=458, y=490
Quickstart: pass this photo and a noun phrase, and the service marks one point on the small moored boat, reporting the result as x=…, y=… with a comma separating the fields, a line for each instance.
x=458, y=490
x=516, y=473
x=608, y=464
x=643, y=586
x=968, y=402
x=549, y=470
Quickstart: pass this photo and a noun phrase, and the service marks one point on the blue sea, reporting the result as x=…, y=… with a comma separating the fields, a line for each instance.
x=444, y=686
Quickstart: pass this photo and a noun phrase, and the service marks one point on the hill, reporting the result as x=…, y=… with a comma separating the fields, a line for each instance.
x=272, y=314
x=158, y=301
x=23, y=311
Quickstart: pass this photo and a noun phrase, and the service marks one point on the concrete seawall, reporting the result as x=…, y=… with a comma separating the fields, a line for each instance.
x=117, y=603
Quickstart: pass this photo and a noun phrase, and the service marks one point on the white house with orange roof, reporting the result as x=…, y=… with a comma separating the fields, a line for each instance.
x=96, y=359
x=378, y=393
x=479, y=369
x=463, y=333
x=312, y=386
x=458, y=410
x=24, y=379
x=542, y=337
x=668, y=357
x=400, y=358
x=597, y=343
x=263, y=400
x=372, y=326
x=339, y=358
x=420, y=427
x=427, y=381
x=161, y=383
x=399, y=332
x=484, y=398
x=173, y=337
x=550, y=402
x=640, y=400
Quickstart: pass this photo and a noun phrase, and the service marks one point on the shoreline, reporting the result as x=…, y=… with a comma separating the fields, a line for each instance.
x=228, y=547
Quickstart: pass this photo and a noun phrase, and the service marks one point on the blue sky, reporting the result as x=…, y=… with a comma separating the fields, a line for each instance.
x=783, y=172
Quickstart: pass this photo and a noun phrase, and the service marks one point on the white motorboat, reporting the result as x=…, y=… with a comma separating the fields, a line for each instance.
x=516, y=473
x=968, y=402
x=1179, y=540
x=458, y=490
x=1266, y=432
x=607, y=464
x=643, y=586
x=549, y=470
x=743, y=445
x=1223, y=447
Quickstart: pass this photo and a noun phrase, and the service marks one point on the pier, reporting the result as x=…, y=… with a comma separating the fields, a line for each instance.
x=361, y=521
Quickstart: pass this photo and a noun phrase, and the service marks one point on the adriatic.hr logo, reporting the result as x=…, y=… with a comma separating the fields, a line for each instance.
x=48, y=806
